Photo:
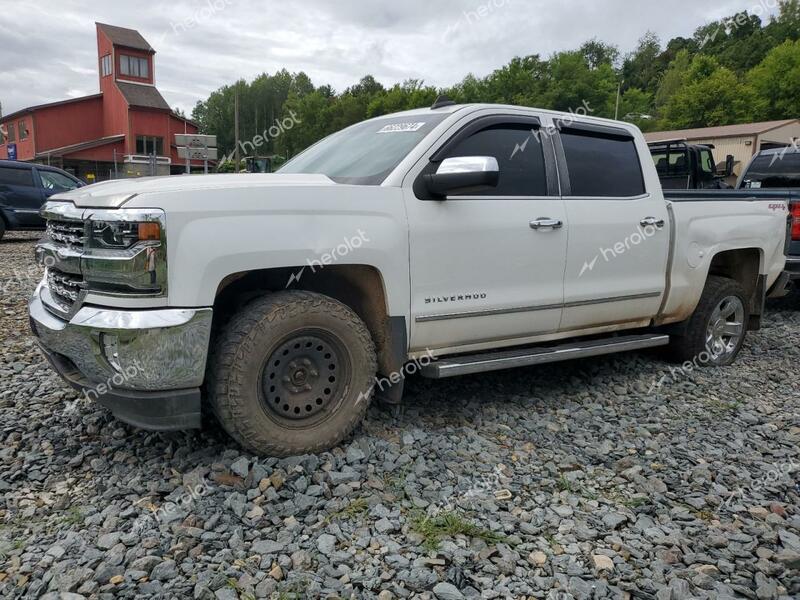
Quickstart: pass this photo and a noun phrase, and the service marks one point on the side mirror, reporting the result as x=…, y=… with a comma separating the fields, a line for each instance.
x=464, y=175
x=729, y=162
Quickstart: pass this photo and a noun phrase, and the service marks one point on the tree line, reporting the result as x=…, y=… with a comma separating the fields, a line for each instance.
x=735, y=70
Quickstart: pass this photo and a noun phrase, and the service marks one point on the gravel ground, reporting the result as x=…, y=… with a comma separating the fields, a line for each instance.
x=603, y=478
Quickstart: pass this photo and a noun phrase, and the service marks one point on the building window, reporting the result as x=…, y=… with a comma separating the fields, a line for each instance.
x=133, y=66
x=105, y=66
x=23, y=131
x=10, y=132
x=147, y=145
x=2, y=134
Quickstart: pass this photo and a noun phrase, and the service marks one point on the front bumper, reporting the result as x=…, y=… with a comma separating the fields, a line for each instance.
x=145, y=365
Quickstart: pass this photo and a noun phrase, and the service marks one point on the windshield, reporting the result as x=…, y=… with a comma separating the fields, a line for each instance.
x=367, y=153
x=774, y=171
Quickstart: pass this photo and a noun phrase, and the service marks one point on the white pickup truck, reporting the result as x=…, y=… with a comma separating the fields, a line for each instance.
x=485, y=236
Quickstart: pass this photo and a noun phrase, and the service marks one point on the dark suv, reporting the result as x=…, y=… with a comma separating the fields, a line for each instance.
x=24, y=188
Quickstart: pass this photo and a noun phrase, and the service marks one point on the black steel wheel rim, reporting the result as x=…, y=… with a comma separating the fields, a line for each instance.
x=303, y=379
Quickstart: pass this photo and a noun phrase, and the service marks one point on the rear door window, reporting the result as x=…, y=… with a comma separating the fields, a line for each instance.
x=21, y=177
x=602, y=165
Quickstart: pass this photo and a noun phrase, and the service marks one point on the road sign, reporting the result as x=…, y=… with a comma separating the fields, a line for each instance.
x=197, y=153
x=12, y=151
x=195, y=140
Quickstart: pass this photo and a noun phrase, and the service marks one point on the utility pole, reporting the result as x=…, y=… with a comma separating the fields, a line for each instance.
x=188, y=162
x=236, y=129
x=619, y=93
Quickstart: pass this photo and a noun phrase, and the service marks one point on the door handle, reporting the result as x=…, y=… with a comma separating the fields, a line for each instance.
x=652, y=222
x=544, y=223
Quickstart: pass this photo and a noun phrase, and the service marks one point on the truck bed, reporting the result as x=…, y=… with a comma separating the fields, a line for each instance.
x=730, y=195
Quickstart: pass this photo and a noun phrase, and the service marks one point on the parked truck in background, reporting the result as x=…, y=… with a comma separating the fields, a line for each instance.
x=487, y=236
x=778, y=170
x=684, y=166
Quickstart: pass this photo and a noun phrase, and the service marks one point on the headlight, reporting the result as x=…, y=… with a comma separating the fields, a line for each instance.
x=122, y=235
x=126, y=252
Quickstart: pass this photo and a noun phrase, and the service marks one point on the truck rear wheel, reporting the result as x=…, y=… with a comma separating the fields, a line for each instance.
x=292, y=373
x=716, y=331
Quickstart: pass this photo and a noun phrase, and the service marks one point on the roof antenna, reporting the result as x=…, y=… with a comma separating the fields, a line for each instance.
x=442, y=101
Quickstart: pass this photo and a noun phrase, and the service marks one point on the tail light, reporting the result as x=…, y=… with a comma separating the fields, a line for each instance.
x=795, y=221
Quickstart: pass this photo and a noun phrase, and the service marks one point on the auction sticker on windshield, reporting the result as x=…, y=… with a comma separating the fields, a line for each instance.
x=402, y=128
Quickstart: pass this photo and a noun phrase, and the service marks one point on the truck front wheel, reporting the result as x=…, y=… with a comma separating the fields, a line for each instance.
x=716, y=331
x=292, y=373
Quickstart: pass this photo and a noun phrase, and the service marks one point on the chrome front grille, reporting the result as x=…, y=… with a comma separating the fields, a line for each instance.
x=64, y=287
x=69, y=234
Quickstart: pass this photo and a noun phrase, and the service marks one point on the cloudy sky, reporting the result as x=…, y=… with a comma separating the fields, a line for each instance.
x=48, y=49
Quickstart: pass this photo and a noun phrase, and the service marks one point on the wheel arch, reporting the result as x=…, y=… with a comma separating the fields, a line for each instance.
x=743, y=265
x=361, y=287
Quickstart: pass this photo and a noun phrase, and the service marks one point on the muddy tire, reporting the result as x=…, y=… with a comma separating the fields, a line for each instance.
x=717, y=330
x=292, y=373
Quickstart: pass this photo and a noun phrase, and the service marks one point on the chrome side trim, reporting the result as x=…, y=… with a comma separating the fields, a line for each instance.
x=487, y=312
x=613, y=299
x=499, y=361
x=537, y=308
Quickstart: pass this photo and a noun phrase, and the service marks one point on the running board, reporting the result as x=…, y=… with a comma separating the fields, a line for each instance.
x=525, y=357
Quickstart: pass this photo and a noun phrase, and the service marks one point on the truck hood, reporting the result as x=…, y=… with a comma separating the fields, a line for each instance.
x=114, y=194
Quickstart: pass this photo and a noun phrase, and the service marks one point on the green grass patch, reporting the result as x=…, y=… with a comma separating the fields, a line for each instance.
x=72, y=517
x=634, y=502
x=564, y=484
x=353, y=510
x=448, y=524
x=296, y=590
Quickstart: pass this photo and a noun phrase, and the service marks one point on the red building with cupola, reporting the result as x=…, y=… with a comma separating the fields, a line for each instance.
x=115, y=133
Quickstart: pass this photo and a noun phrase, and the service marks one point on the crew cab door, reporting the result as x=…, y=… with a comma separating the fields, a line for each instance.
x=480, y=271
x=619, y=228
